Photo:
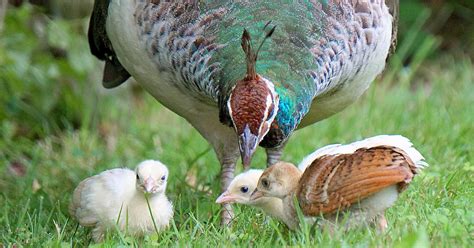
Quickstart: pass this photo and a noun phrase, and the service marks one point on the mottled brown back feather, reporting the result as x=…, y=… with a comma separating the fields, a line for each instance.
x=335, y=182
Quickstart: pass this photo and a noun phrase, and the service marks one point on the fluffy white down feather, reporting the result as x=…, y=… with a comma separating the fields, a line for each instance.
x=380, y=140
x=116, y=198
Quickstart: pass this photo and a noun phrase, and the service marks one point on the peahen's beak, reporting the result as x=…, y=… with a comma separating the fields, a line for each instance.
x=248, y=144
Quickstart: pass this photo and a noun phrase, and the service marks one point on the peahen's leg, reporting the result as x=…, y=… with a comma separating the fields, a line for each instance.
x=226, y=146
x=274, y=154
x=227, y=174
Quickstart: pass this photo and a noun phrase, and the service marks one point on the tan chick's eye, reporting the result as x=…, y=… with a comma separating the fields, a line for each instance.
x=265, y=183
x=138, y=178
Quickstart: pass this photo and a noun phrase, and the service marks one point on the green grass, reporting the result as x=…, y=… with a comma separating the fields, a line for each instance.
x=437, y=208
x=434, y=108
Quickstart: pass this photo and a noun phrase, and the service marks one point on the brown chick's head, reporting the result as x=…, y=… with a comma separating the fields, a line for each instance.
x=152, y=177
x=279, y=180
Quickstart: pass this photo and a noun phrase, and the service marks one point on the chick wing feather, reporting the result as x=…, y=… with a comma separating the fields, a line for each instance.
x=334, y=182
x=99, y=198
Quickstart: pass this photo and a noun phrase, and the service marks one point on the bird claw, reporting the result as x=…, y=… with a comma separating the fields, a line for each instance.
x=227, y=215
x=382, y=223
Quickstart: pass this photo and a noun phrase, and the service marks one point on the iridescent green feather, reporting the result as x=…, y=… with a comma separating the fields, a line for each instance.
x=285, y=58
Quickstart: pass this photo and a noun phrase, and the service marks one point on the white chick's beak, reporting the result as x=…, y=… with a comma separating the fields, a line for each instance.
x=226, y=197
x=149, y=185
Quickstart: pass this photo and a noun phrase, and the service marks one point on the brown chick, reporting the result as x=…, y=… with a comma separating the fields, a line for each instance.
x=361, y=184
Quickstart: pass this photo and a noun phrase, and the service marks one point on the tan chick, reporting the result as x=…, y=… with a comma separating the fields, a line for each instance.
x=116, y=198
x=362, y=184
x=244, y=184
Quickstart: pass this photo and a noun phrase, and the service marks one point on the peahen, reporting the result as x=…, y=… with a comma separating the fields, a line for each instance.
x=245, y=73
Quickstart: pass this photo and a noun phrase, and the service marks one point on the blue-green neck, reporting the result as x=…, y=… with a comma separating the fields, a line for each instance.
x=292, y=108
x=285, y=59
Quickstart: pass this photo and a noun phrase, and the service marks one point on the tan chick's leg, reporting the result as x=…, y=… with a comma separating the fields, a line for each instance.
x=382, y=223
x=227, y=174
x=328, y=224
x=354, y=218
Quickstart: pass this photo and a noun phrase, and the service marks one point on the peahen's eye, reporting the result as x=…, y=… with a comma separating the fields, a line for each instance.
x=163, y=178
x=244, y=189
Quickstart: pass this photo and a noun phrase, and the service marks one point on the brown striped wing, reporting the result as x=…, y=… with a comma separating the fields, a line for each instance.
x=335, y=182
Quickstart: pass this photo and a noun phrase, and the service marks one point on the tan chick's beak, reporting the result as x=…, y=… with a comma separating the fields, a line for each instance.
x=256, y=195
x=225, y=197
x=149, y=185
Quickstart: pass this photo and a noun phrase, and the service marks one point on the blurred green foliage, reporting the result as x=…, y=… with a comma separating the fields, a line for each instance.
x=45, y=73
x=449, y=21
x=49, y=81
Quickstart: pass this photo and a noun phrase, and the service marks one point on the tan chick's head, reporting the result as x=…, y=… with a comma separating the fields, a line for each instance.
x=152, y=177
x=241, y=188
x=278, y=180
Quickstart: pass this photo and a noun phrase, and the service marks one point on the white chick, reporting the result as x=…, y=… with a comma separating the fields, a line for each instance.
x=242, y=186
x=116, y=198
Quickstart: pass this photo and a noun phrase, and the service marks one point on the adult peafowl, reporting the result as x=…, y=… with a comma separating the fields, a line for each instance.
x=245, y=73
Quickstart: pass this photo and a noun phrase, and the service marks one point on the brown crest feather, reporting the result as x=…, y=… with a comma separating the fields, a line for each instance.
x=251, y=56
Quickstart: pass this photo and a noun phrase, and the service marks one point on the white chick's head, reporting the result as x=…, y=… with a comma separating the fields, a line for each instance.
x=241, y=188
x=152, y=176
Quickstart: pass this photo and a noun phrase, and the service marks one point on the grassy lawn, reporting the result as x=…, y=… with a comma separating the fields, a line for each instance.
x=123, y=127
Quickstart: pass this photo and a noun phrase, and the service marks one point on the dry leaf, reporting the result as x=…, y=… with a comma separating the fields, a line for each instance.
x=36, y=185
x=17, y=169
x=191, y=180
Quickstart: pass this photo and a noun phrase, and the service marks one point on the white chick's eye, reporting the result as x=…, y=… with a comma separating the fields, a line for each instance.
x=244, y=189
x=163, y=178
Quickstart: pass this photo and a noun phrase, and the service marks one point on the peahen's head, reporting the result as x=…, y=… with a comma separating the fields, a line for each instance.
x=253, y=104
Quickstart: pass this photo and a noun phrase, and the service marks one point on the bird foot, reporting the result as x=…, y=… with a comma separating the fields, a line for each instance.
x=227, y=215
x=273, y=155
x=227, y=174
x=382, y=223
